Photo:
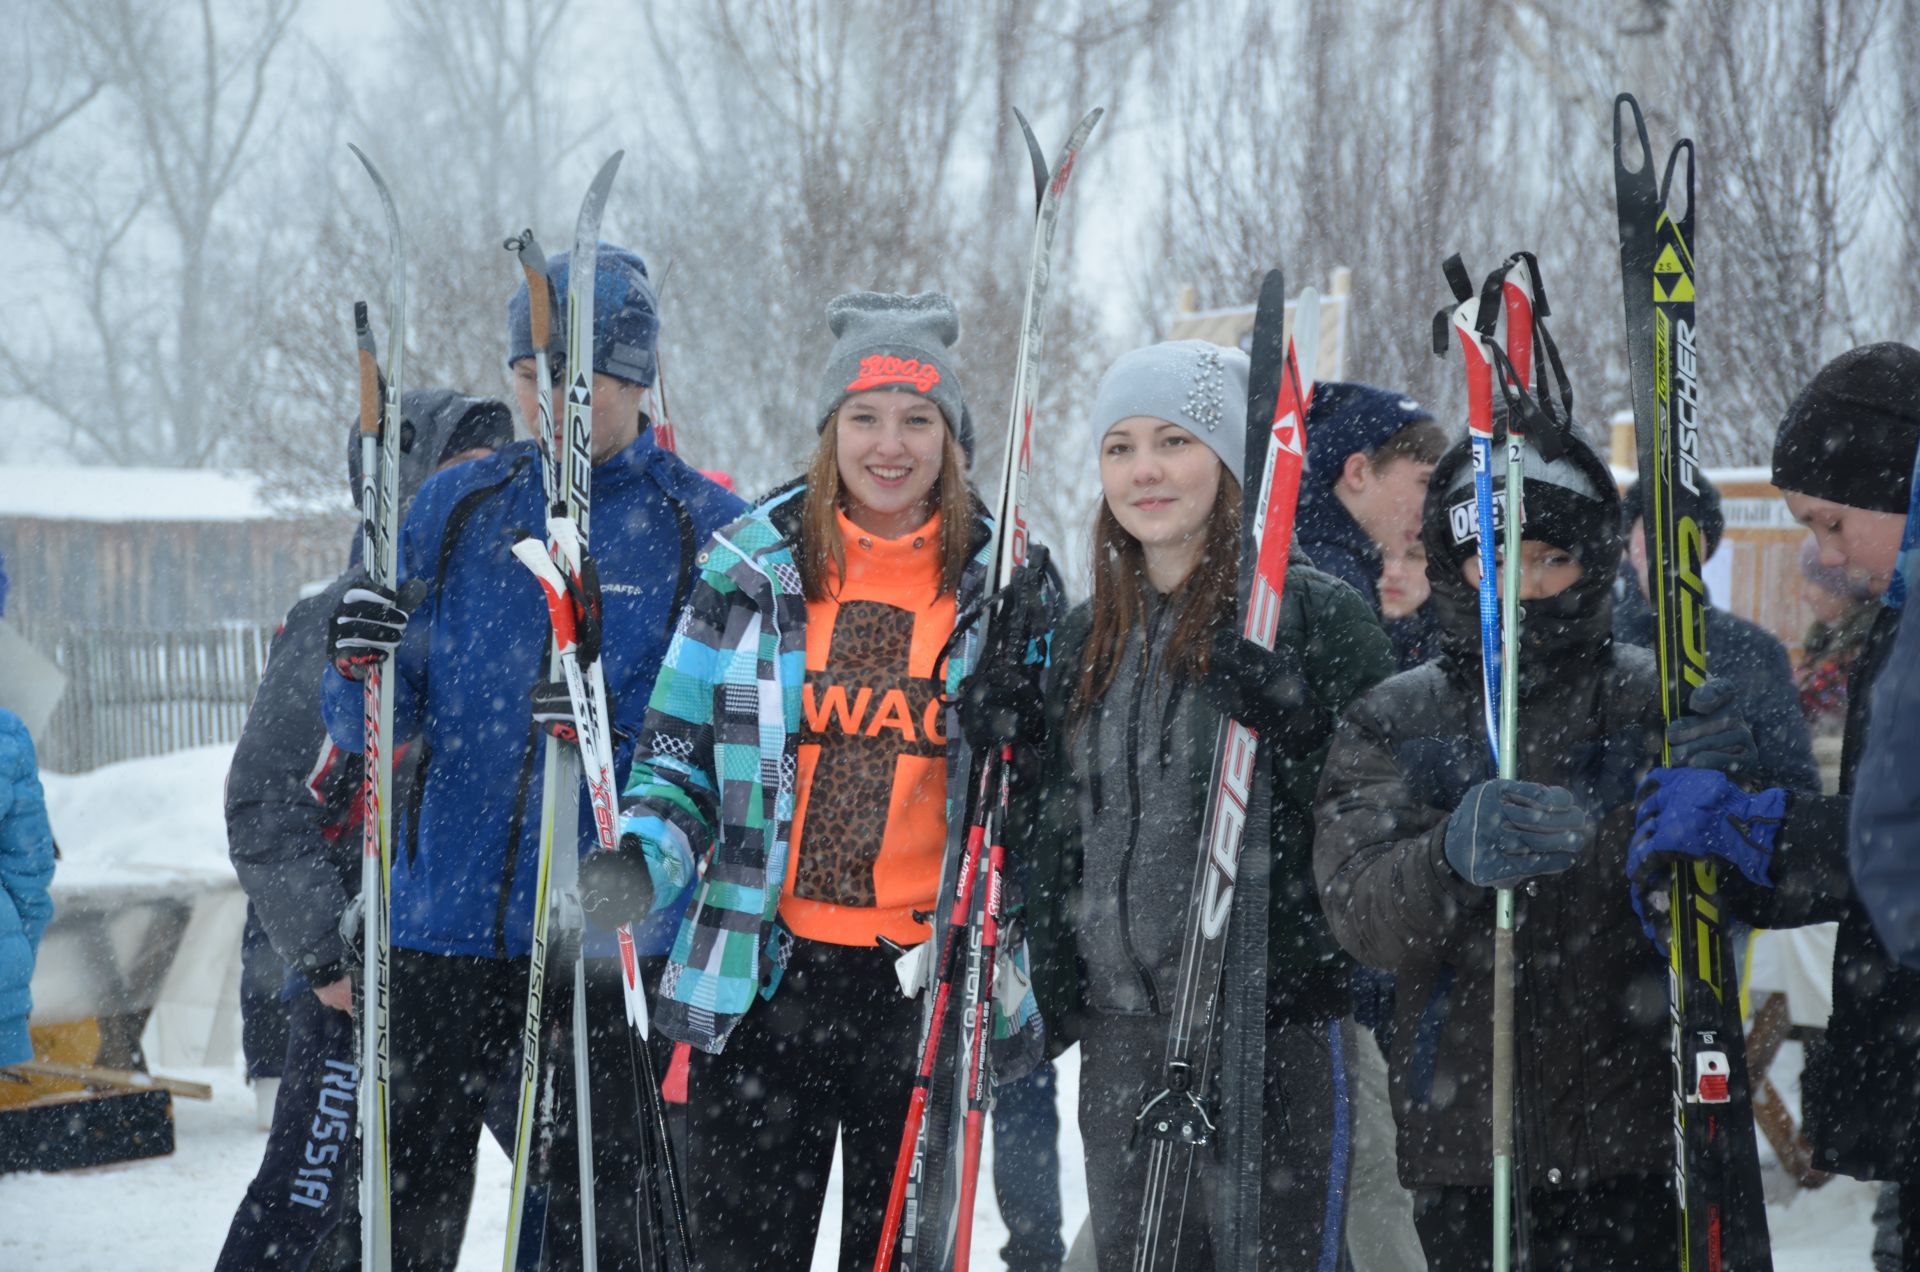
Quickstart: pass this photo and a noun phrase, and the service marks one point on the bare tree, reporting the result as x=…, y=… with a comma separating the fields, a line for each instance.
x=160, y=368
x=479, y=140
x=47, y=83
x=1786, y=186
x=796, y=163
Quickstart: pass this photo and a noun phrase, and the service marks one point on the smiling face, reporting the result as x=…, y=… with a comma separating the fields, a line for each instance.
x=1160, y=482
x=888, y=446
x=1864, y=544
x=1545, y=570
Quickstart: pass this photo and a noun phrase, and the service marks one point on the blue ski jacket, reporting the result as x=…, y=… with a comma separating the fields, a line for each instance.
x=467, y=840
x=26, y=871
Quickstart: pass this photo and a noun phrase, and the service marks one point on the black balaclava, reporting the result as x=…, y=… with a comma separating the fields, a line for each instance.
x=1571, y=503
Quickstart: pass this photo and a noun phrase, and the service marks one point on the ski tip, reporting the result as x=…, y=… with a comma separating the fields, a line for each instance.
x=603, y=179
x=1625, y=108
x=1035, y=156
x=373, y=170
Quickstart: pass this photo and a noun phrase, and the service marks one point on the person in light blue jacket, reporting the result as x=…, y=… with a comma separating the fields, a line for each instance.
x=26, y=869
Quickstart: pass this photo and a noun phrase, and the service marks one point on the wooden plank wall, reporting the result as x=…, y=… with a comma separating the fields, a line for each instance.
x=158, y=575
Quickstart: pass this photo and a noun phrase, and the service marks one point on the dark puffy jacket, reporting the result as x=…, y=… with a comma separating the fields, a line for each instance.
x=1592, y=1046
x=1343, y=651
x=1757, y=662
x=293, y=801
x=463, y=878
x=1861, y=1088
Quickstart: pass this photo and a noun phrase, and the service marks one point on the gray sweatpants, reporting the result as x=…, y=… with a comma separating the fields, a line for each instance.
x=1306, y=1144
x=1380, y=1232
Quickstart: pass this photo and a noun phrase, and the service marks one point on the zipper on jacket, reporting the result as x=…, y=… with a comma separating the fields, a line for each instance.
x=1134, y=709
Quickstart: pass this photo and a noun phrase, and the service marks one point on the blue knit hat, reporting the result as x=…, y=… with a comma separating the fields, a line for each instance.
x=1346, y=418
x=626, y=317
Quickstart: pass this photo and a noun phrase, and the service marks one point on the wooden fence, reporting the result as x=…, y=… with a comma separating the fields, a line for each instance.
x=134, y=693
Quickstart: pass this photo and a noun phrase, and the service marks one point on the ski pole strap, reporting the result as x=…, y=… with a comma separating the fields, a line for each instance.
x=1528, y=414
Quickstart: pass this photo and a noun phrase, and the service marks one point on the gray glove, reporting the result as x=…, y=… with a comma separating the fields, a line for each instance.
x=1716, y=735
x=1508, y=831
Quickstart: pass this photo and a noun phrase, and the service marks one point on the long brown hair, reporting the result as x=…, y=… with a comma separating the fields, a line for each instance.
x=823, y=556
x=1204, y=597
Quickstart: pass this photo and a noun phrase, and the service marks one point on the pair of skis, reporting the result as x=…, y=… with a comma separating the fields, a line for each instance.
x=564, y=570
x=1723, y=1219
x=1180, y=1118
x=380, y=428
x=918, y=1229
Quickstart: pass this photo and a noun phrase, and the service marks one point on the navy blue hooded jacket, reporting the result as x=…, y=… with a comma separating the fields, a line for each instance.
x=467, y=845
x=1343, y=420
x=1885, y=826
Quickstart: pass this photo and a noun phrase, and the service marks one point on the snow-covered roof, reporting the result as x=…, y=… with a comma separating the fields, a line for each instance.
x=132, y=494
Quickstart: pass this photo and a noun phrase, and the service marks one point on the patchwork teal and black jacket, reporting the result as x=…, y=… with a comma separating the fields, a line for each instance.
x=712, y=792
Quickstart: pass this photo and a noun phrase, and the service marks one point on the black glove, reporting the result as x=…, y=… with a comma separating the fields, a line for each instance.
x=1000, y=703
x=615, y=887
x=553, y=711
x=1507, y=831
x=1264, y=690
x=1716, y=735
x=1002, y=700
x=366, y=628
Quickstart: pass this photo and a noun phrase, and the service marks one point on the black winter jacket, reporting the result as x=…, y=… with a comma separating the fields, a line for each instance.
x=1592, y=1050
x=293, y=801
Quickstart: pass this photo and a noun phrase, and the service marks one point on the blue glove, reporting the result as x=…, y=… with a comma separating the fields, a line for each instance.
x=1716, y=735
x=1700, y=815
x=1507, y=831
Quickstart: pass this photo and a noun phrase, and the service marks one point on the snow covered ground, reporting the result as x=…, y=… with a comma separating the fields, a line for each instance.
x=172, y=1213
x=152, y=817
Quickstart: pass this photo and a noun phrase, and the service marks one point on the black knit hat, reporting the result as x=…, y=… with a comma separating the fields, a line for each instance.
x=1850, y=435
x=1713, y=519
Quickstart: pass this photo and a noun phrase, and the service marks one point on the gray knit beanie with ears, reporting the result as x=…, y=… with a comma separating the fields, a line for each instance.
x=890, y=341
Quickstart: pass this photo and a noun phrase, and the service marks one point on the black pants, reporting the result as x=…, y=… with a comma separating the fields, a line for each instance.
x=265, y=1018
x=306, y=1180
x=456, y=1025
x=1617, y=1225
x=830, y=1055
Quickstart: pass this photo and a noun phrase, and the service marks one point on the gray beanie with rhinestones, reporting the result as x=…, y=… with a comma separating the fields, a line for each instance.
x=1196, y=384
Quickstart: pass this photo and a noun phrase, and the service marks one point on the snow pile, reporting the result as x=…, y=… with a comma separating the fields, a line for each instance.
x=142, y=821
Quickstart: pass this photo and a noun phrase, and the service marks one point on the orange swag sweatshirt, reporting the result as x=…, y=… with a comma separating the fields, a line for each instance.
x=870, y=822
